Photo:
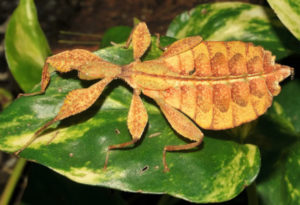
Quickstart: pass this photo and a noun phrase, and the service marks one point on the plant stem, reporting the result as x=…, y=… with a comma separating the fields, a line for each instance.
x=252, y=194
x=79, y=42
x=80, y=34
x=12, y=182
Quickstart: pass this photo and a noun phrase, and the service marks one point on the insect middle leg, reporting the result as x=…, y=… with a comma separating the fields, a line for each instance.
x=136, y=121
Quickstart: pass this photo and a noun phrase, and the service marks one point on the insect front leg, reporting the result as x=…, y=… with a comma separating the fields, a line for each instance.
x=64, y=62
x=136, y=121
x=181, y=124
x=75, y=102
x=140, y=38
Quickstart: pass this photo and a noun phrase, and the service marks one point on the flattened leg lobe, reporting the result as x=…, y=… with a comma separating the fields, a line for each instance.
x=81, y=99
x=137, y=116
x=181, y=124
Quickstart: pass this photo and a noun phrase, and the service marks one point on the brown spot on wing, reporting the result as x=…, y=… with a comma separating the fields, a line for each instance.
x=237, y=65
x=202, y=64
x=258, y=87
x=219, y=65
x=221, y=97
x=240, y=93
x=255, y=65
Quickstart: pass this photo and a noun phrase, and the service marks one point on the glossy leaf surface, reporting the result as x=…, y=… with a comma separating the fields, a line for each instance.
x=236, y=21
x=117, y=34
x=278, y=181
x=217, y=171
x=26, y=47
x=288, y=12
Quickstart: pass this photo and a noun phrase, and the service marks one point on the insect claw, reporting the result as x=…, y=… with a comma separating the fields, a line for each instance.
x=18, y=152
x=292, y=73
x=166, y=169
x=106, y=161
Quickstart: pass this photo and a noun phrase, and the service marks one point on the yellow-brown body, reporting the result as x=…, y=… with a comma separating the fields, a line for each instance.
x=218, y=85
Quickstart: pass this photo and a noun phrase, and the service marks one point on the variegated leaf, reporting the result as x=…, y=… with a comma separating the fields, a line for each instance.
x=216, y=171
x=236, y=21
x=288, y=11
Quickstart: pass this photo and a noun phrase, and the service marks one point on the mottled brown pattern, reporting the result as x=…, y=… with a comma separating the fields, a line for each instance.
x=205, y=97
x=140, y=40
x=221, y=97
x=188, y=100
x=239, y=77
x=237, y=65
x=218, y=85
x=240, y=93
x=202, y=66
x=219, y=65
x=258, y=87
x=68, y=60
x=255, y=65
x=272, y=82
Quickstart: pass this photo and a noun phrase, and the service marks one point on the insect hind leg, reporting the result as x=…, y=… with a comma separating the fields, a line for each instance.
x=181, y=124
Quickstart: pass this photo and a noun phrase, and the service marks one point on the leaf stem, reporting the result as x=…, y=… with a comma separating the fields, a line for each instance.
x=252, y=194
x=79, y=42
x=80, y=34
x=12, y=182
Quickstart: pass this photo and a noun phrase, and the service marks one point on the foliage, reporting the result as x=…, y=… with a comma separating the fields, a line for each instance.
x=288, y=11
x=117, y=34
x=25, y=45
x=222, y=166
x=236, y=21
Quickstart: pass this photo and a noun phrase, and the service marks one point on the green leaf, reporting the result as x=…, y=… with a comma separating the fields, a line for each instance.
x=236, y=21
x=47, y=187
x=117, y=34
x=5, y=98
x=278, y=135
x=217, y=171
x=25, y=45
x=288, y=11
x=282, y=184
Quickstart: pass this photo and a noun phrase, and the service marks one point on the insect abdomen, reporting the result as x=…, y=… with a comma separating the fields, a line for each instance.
x=236, y=83
x=221, y=105
x=217, y=59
